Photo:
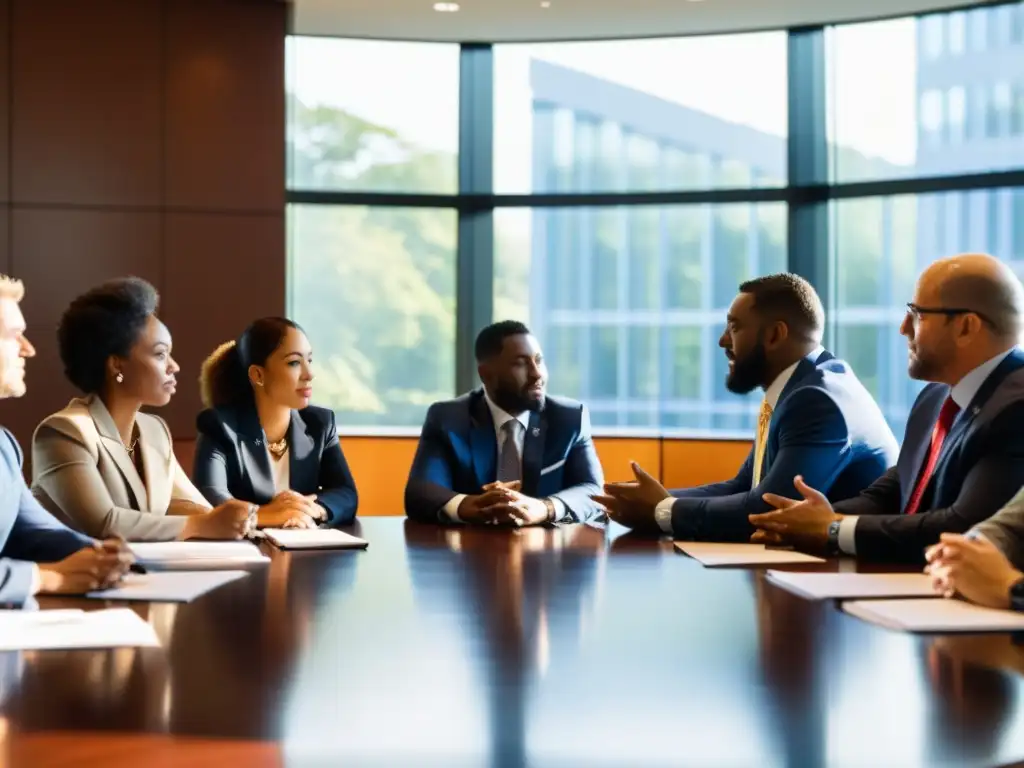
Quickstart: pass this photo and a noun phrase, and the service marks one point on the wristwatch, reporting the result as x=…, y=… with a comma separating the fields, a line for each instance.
x=832, y=547
x=551, y=510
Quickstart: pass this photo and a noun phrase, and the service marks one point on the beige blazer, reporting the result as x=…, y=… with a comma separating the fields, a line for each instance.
x=82, y=474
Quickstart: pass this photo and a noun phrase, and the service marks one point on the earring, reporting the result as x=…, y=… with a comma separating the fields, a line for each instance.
x=259, y=383
x=119, y=378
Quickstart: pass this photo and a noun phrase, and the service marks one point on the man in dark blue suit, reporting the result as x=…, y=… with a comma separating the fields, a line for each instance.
x=816, y=418
x=963, y=453
x=509, y=453
x=37, y=553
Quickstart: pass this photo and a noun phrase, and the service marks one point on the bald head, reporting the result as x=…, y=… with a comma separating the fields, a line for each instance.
x=982, y=284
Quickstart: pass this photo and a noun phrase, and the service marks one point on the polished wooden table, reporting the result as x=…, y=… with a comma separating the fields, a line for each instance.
x=479, y=647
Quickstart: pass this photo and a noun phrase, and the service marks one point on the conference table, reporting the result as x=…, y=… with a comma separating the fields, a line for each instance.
x=569, y=646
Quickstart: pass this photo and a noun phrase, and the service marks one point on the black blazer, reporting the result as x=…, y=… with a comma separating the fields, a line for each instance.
x=980, y=468
x=232, y=461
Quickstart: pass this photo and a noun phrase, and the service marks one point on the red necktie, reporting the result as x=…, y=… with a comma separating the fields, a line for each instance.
x=939, y=432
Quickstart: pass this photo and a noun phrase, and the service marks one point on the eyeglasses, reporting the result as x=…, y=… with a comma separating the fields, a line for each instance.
x=916, y=312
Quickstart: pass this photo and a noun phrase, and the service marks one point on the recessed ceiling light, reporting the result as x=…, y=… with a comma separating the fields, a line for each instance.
x=446, y=7
x=545, y=4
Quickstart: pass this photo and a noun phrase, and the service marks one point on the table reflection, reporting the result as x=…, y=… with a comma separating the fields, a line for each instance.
x=524, y=592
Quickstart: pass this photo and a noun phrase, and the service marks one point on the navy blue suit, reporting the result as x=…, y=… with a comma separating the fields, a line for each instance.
x=825, y=426
x=231, y=460
x=980, y=468
x=28, y=533
x=457, y=453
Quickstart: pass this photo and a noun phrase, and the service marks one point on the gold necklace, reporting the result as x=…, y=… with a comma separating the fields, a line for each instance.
x=278, y=448
x=131, y=448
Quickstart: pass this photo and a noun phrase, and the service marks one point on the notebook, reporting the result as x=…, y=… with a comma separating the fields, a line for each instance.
x=70, y=629
x=196, y=555
x=712, y=554
x=313, y=538
x=930, y=615
x=167, y=586
x=824, y=586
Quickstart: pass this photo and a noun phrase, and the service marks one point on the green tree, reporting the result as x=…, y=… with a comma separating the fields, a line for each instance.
x=374, y=287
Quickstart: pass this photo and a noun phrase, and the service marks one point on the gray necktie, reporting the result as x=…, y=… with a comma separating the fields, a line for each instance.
x=508, y=457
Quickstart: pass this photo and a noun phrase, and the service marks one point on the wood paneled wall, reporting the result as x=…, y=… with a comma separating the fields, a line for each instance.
x=142, y=137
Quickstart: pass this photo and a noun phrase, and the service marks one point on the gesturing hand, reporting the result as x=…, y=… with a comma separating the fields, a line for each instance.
x=803, y=524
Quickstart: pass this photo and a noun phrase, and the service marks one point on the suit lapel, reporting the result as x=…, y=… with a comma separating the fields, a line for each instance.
x=303, y=467
x=110, y=441
x=533, y=452
x=803, y=369
x=159, y=482
x=252, y=450
x=482, y=440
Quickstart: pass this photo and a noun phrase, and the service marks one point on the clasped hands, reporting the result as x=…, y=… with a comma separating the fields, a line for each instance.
x=503, y=504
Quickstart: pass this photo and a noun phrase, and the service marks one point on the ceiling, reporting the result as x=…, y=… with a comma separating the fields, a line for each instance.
x=512, y=20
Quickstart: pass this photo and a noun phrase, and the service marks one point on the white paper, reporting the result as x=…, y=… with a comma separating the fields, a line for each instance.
x=713, y=554
x=167, y=586
x=941, y=615
x=824, y=586
x=65, y=630
x=196, y=555
x=313, y=538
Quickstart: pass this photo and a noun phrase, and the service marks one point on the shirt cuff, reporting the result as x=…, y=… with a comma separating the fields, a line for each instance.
x=451, y=509
x=37, y=580
x=663, y=514
x=560, y=513
x=848, y=535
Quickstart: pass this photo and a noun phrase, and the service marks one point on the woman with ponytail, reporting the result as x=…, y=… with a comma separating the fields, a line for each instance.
x=261, y=441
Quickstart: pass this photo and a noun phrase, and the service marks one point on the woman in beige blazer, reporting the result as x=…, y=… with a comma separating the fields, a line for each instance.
x=100, y=464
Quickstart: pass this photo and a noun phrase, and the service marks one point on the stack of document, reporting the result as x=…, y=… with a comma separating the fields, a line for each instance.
x=196, y=555
x=825, y=586
x=711, y=554
x=941, y=615
x=167, y=587
x=315, y=538
x=71, y=629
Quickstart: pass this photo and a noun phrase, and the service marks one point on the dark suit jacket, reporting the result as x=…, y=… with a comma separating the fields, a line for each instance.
x=826, y=427
x=28, y=533
x=232, y=461
x=980, y=468
x=457, y=453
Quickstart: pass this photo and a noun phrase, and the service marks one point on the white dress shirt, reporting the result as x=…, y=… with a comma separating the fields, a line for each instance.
x=279, y=468
x=962, y=394
x=663, y=512
x=499, y=417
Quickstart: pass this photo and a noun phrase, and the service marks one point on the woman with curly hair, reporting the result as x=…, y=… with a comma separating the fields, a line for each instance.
x=100, y=464
x=261, y=441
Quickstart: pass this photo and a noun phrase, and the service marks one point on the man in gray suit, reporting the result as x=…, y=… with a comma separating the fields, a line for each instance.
x=37, y=553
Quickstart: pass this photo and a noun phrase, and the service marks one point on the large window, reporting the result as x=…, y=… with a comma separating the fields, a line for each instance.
x=375, y=290
x=372, y=116
x=912, y=111
x=615, y=194
x=641, y=115
x=637, y=296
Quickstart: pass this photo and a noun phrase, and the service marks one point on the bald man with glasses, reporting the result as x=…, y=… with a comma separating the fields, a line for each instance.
x=962, y=457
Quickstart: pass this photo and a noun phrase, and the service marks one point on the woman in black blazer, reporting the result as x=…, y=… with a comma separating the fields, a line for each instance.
x=259, y=438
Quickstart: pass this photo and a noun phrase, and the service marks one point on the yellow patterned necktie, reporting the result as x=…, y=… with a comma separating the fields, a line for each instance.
x=764, y=418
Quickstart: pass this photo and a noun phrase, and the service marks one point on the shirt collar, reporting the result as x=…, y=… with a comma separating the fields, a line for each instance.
x=965, y=390
x=774, y=391
x=500, y=416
